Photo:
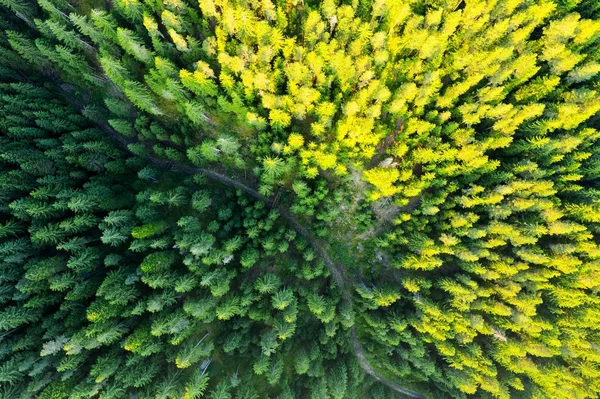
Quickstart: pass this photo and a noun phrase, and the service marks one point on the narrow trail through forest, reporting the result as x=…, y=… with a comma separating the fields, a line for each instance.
x=338, y=271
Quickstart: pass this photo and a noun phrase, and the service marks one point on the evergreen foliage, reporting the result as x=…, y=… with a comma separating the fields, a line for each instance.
x=284, y=199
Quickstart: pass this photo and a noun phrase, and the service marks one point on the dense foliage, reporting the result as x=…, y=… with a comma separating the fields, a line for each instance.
x=287, y=198
x=116, y=279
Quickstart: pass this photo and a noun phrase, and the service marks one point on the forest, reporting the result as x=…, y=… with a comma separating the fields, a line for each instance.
x=312, y=199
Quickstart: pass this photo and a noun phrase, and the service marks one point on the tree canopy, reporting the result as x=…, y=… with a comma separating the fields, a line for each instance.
x=299, y=199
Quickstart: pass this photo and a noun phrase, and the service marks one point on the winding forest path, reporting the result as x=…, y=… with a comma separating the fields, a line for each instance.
x=338, y=271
